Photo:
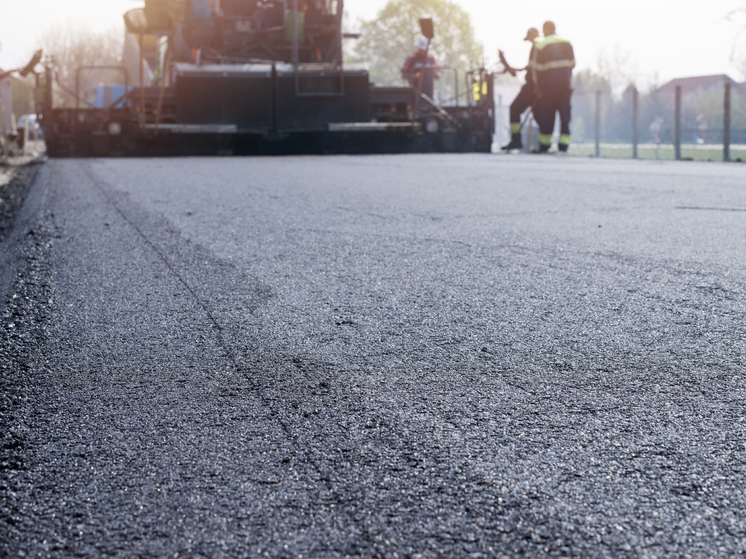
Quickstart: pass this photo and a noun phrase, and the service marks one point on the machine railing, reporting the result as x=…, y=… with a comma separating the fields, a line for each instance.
x=77, y=87
x=455, y=82
x=82, y=68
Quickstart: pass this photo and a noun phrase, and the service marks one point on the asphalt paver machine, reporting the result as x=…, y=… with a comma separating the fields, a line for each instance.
x=260, y=77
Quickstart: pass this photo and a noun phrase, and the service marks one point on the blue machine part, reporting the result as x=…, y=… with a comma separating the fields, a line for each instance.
x=103, y=95
x=201, y=9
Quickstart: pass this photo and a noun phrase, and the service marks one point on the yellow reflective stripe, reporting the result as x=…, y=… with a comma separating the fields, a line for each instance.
x=550, y=40
x=545, y=139
x=555, y=64
x=515, y=127
x=564, y=139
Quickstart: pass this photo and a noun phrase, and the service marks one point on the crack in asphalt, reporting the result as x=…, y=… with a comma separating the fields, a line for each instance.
x=227, y=348
x=430, y=411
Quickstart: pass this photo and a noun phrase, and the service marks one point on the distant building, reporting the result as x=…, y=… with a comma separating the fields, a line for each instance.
x=698, y=85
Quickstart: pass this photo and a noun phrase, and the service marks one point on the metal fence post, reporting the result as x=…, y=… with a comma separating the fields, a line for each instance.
x=726, y=123
x=634, y=123
x=598, y=123
x=499, y=111
x=677, y=124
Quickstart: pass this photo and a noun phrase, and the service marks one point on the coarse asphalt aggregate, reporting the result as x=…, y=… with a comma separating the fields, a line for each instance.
x=384, y=356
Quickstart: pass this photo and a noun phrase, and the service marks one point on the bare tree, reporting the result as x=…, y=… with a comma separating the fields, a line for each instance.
x=738, y=52
x=618, y=68
x=70, y=46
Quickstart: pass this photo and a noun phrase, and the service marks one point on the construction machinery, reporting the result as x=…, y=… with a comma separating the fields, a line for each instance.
x=258, y=77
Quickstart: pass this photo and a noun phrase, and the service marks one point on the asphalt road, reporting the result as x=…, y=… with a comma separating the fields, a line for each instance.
x=406, y=356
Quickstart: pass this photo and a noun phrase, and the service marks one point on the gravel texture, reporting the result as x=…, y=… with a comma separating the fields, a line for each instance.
x=15, y=182
x=399, y=356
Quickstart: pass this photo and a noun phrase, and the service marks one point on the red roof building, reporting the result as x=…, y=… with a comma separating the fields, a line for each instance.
x=697, y=84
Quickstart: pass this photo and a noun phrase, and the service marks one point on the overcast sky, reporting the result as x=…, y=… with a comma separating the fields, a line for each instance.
x=664, y=37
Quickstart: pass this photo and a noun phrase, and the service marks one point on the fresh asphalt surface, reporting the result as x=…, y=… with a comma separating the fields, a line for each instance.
x=391, y=356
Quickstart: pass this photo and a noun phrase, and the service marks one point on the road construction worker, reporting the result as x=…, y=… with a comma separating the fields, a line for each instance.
x=553, y=62
x=525, y=98
x=421, y=61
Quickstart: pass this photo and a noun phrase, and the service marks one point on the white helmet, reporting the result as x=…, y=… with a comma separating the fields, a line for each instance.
x=422, y=42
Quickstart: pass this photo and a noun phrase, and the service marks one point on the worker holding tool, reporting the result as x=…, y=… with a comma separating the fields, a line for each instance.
x=28, y=69
x=419, y=62
x=526, y=96
x=553, y=61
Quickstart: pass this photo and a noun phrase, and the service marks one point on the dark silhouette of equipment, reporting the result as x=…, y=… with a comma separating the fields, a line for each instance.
x=260, y=77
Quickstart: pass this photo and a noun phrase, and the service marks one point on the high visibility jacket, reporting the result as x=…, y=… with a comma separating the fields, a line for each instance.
x=553, y=61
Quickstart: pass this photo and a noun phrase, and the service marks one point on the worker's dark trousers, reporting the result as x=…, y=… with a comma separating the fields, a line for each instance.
x=524, y=100
x=554, y=98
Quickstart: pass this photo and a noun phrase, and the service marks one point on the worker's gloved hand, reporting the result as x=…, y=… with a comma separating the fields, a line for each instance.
x=511, y=71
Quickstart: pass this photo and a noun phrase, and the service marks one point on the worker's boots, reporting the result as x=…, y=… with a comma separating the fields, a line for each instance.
x=543, y=148
x=515, y=143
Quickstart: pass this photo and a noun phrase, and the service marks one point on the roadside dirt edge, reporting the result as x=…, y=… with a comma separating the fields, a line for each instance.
x=25, y=241
x=14, y=193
